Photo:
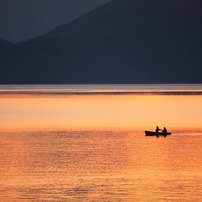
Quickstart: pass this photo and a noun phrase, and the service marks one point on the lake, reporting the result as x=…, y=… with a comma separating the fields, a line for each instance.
x=87, y=143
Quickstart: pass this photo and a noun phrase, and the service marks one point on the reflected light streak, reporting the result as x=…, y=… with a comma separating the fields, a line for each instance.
x=96, y=111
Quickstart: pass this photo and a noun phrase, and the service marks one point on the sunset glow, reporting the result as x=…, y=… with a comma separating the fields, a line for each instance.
x=66, y=142
x=96, y=111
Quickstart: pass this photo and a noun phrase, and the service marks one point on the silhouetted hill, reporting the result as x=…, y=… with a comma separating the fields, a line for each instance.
x=124, y=41
x=5, y=45
x=6, y=48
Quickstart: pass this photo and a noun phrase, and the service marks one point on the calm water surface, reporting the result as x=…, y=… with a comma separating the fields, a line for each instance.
x=69, y=147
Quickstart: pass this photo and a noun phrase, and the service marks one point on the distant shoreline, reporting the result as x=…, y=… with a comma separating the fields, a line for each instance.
x=100, y=93
x=102, y=89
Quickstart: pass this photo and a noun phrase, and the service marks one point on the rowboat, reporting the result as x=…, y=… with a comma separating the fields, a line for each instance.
x=152, y=133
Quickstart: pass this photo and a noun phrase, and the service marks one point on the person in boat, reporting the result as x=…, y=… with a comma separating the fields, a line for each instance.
x=164, y=130
x=157, y=129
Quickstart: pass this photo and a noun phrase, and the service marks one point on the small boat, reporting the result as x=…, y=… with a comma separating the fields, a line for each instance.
x=157, y=134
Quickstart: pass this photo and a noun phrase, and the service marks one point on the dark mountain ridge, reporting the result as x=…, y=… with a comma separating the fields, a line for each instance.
x=124, y=41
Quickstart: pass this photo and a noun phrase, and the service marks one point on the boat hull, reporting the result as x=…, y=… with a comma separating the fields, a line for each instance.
x=151, y=133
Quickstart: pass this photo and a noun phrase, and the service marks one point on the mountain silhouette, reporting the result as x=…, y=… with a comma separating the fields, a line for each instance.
x=123, y=41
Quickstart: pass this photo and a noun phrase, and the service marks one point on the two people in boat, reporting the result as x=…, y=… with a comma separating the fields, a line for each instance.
x=158, y=130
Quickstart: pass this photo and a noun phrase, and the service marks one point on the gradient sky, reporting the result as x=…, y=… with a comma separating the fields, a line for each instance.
x=24, y=19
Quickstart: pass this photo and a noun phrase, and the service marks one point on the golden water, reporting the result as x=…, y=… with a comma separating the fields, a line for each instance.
x=92, y=147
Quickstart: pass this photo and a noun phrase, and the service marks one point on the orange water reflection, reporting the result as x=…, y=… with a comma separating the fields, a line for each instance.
x=100, y=111
x=99, y=166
